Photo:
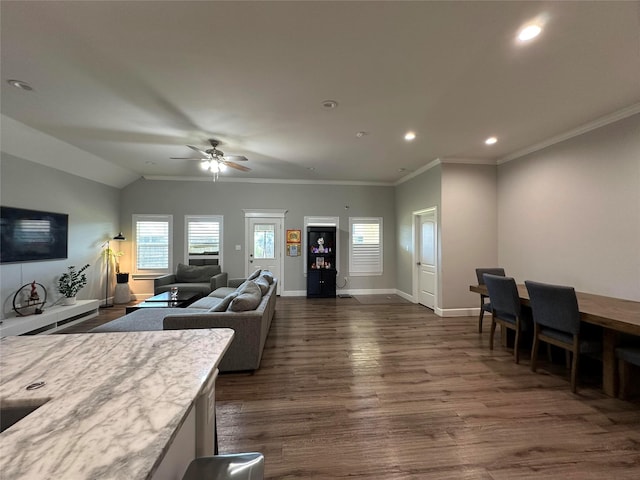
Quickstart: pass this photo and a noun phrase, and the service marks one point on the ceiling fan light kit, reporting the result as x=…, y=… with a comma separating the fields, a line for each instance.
x=215, y=160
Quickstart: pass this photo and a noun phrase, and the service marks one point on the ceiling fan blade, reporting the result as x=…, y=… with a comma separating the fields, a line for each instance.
x=236, y=166
x=188, y=158
x=201, y=152
x=235, y=158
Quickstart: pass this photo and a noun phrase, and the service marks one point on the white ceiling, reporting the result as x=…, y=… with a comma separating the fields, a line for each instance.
x=133, y=82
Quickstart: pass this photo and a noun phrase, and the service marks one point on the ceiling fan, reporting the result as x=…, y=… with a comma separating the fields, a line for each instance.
x=215, y=160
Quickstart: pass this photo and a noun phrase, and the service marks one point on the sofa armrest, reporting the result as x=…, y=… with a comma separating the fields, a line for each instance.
x=235, y=282
x=164, y=280
x=219, y=280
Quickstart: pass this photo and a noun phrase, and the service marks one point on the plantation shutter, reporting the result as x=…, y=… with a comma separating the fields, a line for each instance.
x=203, y=237
x=152, y=245
x=366, y=246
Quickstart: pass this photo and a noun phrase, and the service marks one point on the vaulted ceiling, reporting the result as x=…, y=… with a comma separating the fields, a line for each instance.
x=134, y=82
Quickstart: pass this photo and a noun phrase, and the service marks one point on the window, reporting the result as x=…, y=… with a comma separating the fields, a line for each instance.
x=203, y=237
x=365, y=253
x=264, y=241
x=153, y=243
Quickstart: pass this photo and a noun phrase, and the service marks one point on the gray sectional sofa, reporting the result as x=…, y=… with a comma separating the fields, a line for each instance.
x=248, y=309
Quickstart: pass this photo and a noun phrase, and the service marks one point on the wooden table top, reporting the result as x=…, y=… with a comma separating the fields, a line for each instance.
x=614, y=313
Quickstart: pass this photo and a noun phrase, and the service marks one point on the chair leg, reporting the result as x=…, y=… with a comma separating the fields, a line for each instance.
x=480, y=319
x=625, y=378
x=516, y=343
x=493, y=331
x=534, y=348
x=574, y=363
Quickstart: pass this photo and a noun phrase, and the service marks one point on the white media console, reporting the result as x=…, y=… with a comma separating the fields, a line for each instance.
x=51, y=320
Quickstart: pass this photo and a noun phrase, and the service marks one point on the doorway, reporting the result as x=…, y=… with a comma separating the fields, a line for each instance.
x=264, y=243
x=425, y=277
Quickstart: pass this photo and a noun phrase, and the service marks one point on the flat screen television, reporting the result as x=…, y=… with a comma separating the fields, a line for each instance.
x=31, y=235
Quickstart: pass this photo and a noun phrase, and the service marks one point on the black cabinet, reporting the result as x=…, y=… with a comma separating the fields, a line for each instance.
x=321, y=261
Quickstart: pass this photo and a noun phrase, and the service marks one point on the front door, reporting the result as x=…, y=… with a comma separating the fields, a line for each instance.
x=263, y=250
x=427, y=266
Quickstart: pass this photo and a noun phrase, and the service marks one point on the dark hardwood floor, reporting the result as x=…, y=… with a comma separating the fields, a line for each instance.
x=384, y=389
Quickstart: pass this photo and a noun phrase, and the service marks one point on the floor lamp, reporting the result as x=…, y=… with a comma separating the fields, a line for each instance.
x=119, y=237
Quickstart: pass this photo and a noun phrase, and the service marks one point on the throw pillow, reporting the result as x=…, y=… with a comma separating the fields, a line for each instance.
x=268, y=275
x=224, y=304
x=254, y=275
x=248, y=299
x=262, y=283
x=196, y=273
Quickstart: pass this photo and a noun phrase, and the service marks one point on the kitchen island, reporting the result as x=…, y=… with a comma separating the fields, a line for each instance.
x=113, y=405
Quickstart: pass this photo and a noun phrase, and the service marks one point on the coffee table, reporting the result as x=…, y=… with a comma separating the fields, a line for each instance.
x=164, y=300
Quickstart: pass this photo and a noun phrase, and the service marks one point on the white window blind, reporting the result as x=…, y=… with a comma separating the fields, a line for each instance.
x=203, y=237
x=153, y=243
x=365, y=255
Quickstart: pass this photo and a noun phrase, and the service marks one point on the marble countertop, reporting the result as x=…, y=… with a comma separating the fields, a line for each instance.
x=113, y=400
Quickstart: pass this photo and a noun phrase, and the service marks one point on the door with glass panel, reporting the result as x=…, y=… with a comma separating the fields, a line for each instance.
x=264, y=251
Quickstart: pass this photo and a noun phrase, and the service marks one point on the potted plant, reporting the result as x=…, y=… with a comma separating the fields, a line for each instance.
x=112, y=255
x=70, y=283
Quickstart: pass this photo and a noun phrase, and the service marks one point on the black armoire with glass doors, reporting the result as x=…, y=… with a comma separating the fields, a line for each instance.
x=321, y=262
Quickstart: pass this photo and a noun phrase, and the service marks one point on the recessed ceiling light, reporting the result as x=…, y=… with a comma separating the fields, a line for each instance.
x=491, y=140
x=329, y=104
x=529, y=32
x=361, y=134
x=20, y=84
x=311, y=168
x=409, y=136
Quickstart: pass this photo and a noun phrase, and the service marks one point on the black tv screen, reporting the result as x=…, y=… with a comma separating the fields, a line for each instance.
x=30, y=235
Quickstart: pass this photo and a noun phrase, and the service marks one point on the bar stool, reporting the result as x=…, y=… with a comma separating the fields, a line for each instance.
x=236, y=466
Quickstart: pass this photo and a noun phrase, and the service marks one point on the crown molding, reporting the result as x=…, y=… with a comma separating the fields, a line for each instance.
x=428, y=166
x=587, y=127
x=266, y=180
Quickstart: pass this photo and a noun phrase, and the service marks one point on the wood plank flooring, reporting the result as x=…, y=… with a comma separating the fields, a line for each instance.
x=392, y=391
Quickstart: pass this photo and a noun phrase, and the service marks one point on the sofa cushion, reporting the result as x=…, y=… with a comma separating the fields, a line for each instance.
x=206, y=303
x=143, y=319
x=196, y=273
x=222, y=292
x=263, y=283
x=202, y=288
x=224, y=303
x=267, y=275
x=248, y=298
x=254, y=275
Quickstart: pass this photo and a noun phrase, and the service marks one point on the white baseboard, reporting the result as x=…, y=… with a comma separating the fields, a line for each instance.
x=406, y=296
x=458, y=312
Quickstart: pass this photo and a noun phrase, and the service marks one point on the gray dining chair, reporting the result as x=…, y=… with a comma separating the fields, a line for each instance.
x=505, y=308
x=484, y=305
x=556, y=321
x=626, y=355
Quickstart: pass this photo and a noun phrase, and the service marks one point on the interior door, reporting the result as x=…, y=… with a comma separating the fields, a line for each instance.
x=427, y=264
x=263, y=251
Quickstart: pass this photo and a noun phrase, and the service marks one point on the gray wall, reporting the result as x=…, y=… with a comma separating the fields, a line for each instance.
x=93, y=210
x=180, y=198
x=570, y=213
x=469, y=230
x=418, y=193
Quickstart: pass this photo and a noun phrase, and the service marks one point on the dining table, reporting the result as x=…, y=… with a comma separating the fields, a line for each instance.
x=614, y=315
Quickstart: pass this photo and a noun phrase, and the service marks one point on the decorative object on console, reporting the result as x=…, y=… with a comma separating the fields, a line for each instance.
x=27, y=300
x=71, y=282
x=108, y=253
